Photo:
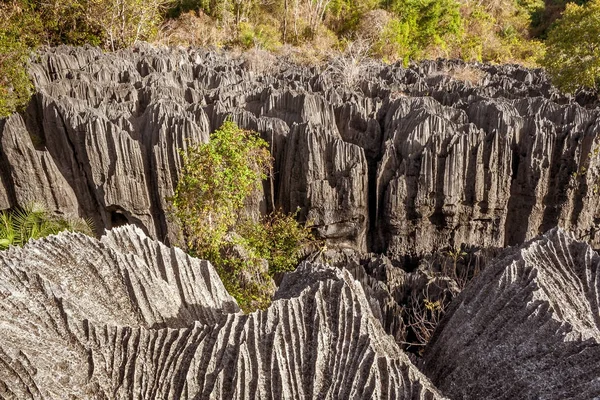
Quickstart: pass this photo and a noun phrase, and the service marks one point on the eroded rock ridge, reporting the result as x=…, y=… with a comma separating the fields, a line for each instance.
x=409, y=161
x=127, y=317
x=527, y=327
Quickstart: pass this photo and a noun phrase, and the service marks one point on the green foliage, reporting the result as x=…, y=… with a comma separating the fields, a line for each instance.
x=15, y=87
x=344, y=16
x=426, y=24
x=573, y=57
x=217, y=178
x=33, y=222
x=278, y=238
x=262, y=35
x=394, y=42
x=66, y=21
x=244, y=273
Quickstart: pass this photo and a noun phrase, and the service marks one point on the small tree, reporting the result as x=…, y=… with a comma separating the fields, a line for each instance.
x=18, y=34
x=216, y=180
x=278, y=238
x=573, y=48
x=125, y=22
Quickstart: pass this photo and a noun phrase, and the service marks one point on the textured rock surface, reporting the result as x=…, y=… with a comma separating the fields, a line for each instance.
x=414, y=161
x=527, y=327
x=397, y=290
x=127, y=317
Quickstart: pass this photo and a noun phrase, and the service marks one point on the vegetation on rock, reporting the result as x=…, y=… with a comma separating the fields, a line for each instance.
x=28, y=24
x=19, y=226
x=217, y=179
x=405, y=30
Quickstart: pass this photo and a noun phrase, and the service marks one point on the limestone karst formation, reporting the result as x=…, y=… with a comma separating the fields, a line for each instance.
x=527, y=328
x=407, y=161
x=127, y=317
x=402, y=165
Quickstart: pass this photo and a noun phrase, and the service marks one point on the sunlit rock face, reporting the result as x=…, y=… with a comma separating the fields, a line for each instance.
x=410, y=161
x=127, y=317
x=527, y=327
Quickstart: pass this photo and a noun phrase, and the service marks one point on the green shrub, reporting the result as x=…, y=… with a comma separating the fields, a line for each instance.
x=278, y=238
x=573, y=48
x=15, y=86
x=260, y=36
x=216, y=179
x=18, y=34
x=345, y=16
x=209, y=200
x=19, y=226
x=394, y=42
x=244, y=273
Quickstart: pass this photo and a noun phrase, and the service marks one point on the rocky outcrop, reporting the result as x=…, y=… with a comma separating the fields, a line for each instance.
x=127, y=317
x=407, y=161
x=527, y=327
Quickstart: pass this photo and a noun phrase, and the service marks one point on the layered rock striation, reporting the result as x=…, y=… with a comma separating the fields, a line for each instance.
x=127, y=317
x=527, y=327
x=407, y=161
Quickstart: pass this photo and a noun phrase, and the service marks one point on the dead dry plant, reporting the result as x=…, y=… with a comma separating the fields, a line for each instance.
x=466, y=73
x=259, y=61
x=348, y=67
x=424, y=316
x=192, y=29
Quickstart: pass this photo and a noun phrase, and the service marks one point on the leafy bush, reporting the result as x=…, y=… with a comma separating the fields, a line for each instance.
x=278, y=238
x=15, y=86
x=261, y=36
x=428, y=24
x=216, y=180
x=394, y=42
x=33, y=222
x=346, y=16
x=15, y=44
x=573, y=57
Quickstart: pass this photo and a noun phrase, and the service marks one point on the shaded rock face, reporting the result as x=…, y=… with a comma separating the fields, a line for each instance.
x=127, y=317
x=414, y=161
x=527, y=327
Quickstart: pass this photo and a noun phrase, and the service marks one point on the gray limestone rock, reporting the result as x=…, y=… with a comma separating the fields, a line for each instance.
x=127, y=317
x=528, y=327
x=408, y=161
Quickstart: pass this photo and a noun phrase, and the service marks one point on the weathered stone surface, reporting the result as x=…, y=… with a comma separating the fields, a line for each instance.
x=527, y=327
x=398, y=291
x=127, y=317
x=413, y=161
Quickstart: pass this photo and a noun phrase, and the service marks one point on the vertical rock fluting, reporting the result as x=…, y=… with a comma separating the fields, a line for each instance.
x=127, y=317
x=414, y=161
x=327, y=178
x=495, y=174
x=527, y=327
